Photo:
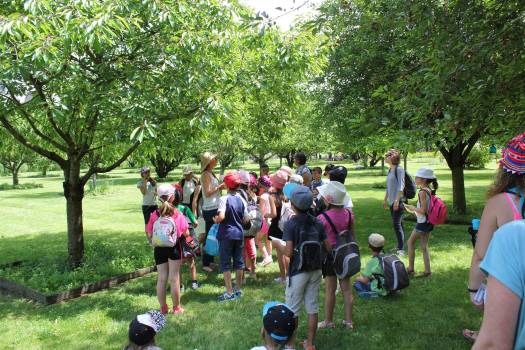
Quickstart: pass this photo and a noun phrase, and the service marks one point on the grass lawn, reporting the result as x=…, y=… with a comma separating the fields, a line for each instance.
x=430, y=314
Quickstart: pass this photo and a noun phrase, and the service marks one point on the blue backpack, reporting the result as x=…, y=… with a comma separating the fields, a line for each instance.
x=212, y=244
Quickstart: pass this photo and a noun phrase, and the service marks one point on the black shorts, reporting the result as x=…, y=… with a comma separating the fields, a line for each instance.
x=162, y=254
x=328, y=266
x=425, y=227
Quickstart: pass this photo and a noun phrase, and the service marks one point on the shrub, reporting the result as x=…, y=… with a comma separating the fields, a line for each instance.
x=478, y=157
x=27, y=186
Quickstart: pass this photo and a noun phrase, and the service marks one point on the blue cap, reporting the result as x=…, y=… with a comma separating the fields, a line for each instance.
x=289, y=188
x=302, y=198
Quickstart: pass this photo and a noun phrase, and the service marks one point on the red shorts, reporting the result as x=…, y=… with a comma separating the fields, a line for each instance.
x=249, y=248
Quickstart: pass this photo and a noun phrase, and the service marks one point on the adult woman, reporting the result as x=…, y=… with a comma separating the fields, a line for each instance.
x=190, y=189
x=504, y=204
x=211, y=193
x=148, y=187
x=395, y=184
x=302, y=168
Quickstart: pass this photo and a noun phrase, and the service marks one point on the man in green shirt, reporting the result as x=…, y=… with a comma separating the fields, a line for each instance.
x=371, y=279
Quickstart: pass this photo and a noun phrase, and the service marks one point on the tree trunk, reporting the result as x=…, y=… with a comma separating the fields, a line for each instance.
x=280, y=161
x=44, y=170
x=458, y=189
x=374, y=159
x=15, y=177
x=382, y=166
x=405, y=160
x=74, y=193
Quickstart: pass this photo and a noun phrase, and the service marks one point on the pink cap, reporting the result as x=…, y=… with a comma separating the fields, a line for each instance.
x=279, y=179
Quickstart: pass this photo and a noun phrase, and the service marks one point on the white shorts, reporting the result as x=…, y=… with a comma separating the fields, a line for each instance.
x=304, y=288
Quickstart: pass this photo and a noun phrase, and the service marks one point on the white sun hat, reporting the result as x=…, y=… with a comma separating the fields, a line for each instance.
x=425, y=173
x=334, y=193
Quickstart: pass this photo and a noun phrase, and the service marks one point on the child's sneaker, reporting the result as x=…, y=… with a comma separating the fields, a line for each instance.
x=226, y=297
x=194, y=285
x=237, y=293
x=178, y=310
x=164, y=309
x=266, y=261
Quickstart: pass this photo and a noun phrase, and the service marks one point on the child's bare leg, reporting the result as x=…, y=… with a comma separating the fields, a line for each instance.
x=424, y=249
x=162, y=278
x=412, y=250
x=174, y=278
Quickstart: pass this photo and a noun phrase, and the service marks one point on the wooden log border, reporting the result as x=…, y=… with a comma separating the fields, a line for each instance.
x=18, y=290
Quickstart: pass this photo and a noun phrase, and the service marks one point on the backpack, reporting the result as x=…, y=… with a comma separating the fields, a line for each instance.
x=212, y=244
x=409, y=192
x=394, y=273
x=190, y=245
x=346, y=257
x=256, y=219
x=286, y=214
x=309, y=250
x=437, y=210
x=164, y=232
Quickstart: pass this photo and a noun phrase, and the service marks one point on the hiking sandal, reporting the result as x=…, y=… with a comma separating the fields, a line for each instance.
x=325, y=325
x=348, y=324
x=470, y=335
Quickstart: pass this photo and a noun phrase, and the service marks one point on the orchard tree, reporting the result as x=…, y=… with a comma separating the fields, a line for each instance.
x=85, y=75
x=445, y=72
x=13, y=155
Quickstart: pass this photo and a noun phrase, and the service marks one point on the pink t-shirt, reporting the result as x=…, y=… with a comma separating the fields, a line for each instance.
x=180, y=221
x=340, y=219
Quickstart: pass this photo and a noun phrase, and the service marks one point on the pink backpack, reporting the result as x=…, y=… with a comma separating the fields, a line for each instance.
x=437, y=210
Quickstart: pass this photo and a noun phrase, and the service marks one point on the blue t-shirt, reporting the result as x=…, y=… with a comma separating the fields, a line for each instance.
x=292, y=230
x=234, y=209
x=505, y=262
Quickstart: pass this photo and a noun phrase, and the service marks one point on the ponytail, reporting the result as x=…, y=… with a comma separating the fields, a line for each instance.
x=166, y=209
x=435, y=186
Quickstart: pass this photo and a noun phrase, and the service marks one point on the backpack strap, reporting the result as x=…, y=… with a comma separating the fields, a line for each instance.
x=331, y=223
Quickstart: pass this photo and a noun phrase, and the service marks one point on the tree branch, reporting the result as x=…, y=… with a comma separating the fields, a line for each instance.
x=470, y=144
x=92, y=170
x=43, y=152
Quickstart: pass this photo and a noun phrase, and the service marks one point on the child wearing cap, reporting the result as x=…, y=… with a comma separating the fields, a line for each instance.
x=303, y=283
x=190, y=189
x=368, y=284
x=278, y=326
x=168, y=259
x=232, y=215
x=143, y=329
x=336, y=219
x=423, y=178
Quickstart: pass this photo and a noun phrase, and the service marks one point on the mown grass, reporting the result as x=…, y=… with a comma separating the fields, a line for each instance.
x=429, y=314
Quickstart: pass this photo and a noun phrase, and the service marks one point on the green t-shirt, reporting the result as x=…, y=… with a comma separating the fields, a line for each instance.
x=373, y=267
x=187, y=213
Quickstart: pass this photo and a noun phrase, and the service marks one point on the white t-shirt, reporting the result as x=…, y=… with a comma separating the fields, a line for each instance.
x=259, y=348
x=151, y=193
x=187, y=191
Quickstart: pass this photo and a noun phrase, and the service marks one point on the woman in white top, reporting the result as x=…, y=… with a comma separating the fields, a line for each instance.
x=211, y=193
x=148, y=187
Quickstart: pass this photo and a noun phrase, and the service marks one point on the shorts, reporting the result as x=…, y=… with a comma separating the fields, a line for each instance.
x=328, y=266
x=303, y=288
x=362, y=287
x=231, y=250
x=249, y=248
x=162, y=254
x=146, y=212
x=425, y=227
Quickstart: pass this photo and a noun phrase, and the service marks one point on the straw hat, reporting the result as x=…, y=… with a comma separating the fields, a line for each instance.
x=206, y=159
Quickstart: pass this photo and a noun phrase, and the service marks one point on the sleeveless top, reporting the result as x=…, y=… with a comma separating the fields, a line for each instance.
x=421, y=219
x=212, y=202
x=517, y=215
x=274, y=229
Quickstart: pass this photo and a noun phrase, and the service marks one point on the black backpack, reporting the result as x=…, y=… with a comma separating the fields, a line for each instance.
x=394, y=272
x=346, y=257
x=309, y=250
x=409, y=192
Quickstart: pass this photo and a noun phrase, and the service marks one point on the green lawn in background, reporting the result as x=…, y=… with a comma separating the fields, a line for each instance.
x=430, y=314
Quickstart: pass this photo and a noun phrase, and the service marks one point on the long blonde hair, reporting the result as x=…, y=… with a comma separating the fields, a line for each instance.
x=166, y=209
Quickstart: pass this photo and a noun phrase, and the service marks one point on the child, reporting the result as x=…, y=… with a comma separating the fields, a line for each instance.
x=232, y=215
x=250, y=197
x=264, y=204
x=142, y=331
x=335, y=219
x=192, y=222
x=423, y=178
x=304, y=280
x=287, y=170
x=278, y=325
x=168, y=259
x=317, y=181
x=278, y=180
x=370, y=281
x=264, y=170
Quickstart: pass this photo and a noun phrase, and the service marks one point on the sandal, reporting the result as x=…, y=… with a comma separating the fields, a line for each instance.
x=207, y=269
x=348, y=324
x=470, y=335
x=424, y=275
x=325, y=325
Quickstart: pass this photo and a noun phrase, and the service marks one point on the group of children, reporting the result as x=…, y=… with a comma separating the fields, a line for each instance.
x=302, y=215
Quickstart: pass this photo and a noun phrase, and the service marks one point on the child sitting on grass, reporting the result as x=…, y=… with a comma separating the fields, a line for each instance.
x=370, y=282
x=232, y=215
x=142, y=331
x=278, y=325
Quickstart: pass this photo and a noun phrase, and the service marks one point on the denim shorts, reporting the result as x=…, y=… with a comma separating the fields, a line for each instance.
x=231, y=250
x=425, y=227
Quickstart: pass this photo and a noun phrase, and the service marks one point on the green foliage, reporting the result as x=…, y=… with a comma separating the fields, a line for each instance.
x=478, y=157
x=24, y=186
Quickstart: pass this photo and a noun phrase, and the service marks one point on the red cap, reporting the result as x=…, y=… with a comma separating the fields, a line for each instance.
x=232, y=180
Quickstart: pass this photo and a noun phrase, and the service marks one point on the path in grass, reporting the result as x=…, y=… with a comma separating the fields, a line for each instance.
x=430, y=314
